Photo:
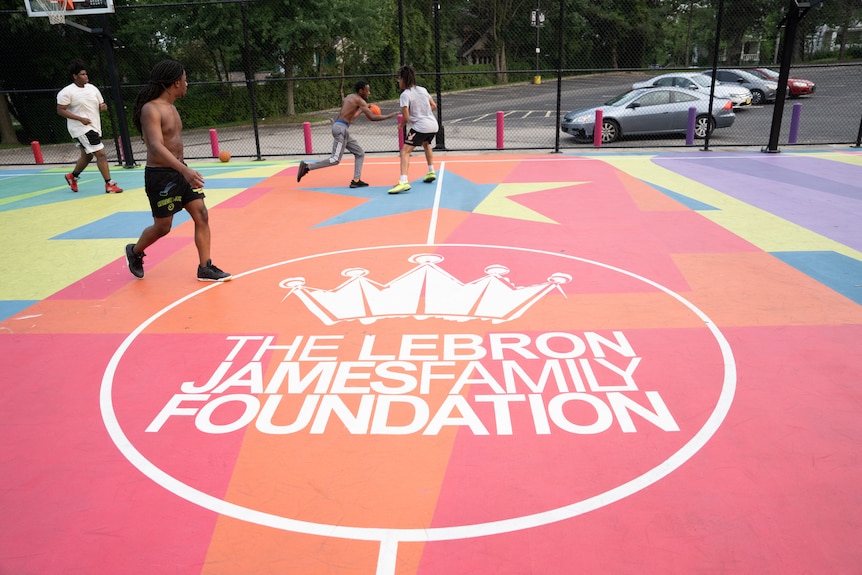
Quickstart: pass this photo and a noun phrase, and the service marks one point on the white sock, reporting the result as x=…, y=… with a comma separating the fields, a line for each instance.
x=402, y=179
x=431, y=169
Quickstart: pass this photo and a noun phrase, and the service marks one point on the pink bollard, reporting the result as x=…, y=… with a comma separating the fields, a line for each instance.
x=37, y=152
x=597, y=129
x=500, y=130
x=400, y=133
x=214, y=142
x=306, y=132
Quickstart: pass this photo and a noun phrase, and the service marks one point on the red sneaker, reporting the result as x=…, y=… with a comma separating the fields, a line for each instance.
x=72, y=181
x=112, y=188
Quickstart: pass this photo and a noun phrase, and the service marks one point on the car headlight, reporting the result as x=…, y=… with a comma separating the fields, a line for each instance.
x=772, y=85
x=800, y=84
x=582, y=118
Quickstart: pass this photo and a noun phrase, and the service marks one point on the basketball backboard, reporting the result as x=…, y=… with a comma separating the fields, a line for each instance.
x=73, y=7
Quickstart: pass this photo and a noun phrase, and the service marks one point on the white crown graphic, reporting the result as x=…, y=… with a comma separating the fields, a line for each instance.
x=426, y=291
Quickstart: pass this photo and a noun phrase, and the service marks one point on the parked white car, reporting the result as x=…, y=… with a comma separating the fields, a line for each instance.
x=738, y=95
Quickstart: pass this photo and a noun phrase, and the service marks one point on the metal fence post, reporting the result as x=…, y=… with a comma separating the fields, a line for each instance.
x=859, y=135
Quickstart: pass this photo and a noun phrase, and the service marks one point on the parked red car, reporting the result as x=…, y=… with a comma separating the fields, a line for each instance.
x=795, y=86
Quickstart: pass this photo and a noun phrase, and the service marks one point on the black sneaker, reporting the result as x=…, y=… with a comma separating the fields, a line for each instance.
x=135, y=261
x=358, y=184
x=210, y=273
x=303, y=169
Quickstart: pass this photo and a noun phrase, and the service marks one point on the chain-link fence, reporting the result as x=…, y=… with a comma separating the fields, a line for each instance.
x=267, y=76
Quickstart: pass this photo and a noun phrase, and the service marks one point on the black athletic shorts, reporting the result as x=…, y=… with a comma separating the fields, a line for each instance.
x=168, y=191
x=91, y=141
x=415, y=138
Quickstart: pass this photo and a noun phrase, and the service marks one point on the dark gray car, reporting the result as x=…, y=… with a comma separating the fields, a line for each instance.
x=762, y=91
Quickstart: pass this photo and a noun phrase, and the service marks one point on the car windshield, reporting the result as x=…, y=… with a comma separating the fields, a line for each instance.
x=623, y=98
x=770, y=74
x=702, y=80
x=748, y=76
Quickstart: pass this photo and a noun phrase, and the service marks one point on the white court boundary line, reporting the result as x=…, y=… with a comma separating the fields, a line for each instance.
x=435, y=208
x=390, y=537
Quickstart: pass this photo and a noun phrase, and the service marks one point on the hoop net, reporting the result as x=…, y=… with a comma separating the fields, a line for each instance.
x=56, y=10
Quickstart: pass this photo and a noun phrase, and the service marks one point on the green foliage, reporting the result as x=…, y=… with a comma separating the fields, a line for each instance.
x=305, y=55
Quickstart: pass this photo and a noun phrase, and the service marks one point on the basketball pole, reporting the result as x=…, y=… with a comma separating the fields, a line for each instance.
x=796, y=10
x=104, y=34
x=441, y=136
x=119, y=108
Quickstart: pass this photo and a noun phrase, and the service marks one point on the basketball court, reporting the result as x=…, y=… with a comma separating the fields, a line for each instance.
x=537, y=364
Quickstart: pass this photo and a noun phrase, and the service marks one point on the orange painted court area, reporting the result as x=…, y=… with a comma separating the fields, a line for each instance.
x=599, y=363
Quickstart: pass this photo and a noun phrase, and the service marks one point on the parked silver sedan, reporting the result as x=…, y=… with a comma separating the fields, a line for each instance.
x=739, y=95
x=762, y=91
x=649, y=111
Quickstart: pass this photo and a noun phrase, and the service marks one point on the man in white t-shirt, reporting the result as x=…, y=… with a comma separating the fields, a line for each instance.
x=80, y=103
x=417, y=111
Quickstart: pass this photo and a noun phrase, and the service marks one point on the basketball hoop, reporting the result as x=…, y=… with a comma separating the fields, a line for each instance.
x=56, y=10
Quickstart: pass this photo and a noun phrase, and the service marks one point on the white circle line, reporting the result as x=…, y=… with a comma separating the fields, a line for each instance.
x=394, y=535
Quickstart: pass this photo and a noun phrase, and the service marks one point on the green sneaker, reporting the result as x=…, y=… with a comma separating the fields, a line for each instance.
x=401, y=187
x=429, y=177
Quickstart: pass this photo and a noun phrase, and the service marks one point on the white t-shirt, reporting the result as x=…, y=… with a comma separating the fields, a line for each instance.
x=418, y=102
x=82, y=101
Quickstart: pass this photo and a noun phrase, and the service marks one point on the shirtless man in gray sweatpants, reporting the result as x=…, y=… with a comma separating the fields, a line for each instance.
x=351, y=107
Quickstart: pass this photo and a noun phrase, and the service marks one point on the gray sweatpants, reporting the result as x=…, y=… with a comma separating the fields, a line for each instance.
x=342, y=139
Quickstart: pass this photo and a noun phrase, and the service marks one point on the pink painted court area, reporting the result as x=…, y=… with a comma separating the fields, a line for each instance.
x=537, y=364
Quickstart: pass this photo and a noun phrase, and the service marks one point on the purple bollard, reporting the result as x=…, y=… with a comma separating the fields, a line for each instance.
x=689, y=132
x=794, y=123
x=499, y=130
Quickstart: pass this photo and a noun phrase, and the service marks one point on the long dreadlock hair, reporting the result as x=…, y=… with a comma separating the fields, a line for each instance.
x=408, y=76
x=163, y=75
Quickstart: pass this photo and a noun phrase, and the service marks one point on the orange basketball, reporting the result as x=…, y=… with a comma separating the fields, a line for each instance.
x=375, y=108
x=224, y=156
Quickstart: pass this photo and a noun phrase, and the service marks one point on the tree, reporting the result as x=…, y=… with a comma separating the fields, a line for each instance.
x=7, y=130
x=496, y=17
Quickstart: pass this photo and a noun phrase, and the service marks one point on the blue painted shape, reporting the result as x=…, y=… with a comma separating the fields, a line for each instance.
x=118, y=225
x=837, y=271
x=684, y=200
x=18, y=172
x=8, y=308
x=465, y=197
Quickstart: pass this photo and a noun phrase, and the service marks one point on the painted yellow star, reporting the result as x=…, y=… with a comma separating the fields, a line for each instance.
x=497, y=203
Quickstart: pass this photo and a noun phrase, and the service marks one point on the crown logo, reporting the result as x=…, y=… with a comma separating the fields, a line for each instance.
x=425, y=291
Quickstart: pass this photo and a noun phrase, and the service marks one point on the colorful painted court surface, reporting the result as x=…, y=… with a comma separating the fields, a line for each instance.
x=536, y=364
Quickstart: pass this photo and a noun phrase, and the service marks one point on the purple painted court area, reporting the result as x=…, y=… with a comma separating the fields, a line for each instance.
x=821, y=195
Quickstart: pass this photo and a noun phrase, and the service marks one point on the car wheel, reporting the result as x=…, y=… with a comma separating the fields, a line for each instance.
x=610, y=131
x=757, y=97
x=703, y=125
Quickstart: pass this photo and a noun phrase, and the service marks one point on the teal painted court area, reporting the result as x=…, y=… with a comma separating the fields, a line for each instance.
x=600, y=363
x=840, y=272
